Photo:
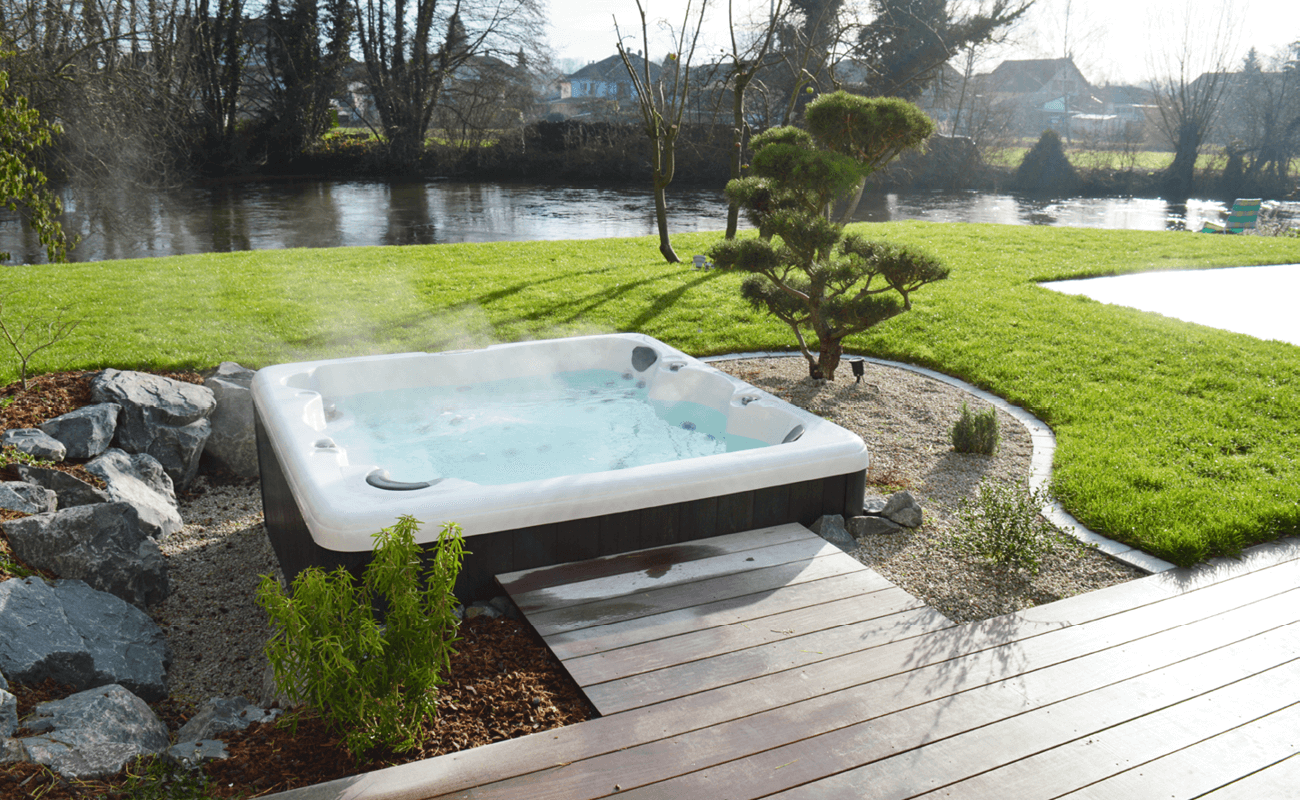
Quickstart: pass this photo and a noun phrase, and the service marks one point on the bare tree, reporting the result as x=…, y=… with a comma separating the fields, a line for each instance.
x=1189, y=87
x=662, y=104
x=411, y=47
x=486, y=98
x=746, y=63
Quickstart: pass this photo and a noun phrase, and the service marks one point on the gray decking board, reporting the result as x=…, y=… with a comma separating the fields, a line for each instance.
x=719, y=640
x=802, y=739
x=757, y=601
x=884, y=700
x=932, y=712
x=1208, y=765
x=1278, y=779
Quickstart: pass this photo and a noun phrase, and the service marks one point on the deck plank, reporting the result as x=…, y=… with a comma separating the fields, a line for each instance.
x=554, y=582
x=714, y=641
x=605, y=590
x=1208, y=765
x=692, y=595
x=754, y=600
x=1279, y=779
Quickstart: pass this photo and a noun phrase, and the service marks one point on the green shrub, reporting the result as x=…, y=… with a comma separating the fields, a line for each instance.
x=976, y=433
x=374, y=682
x=1004, y=525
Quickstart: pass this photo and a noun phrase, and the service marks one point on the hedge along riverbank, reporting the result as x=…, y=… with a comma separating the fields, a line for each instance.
x=1172, y=437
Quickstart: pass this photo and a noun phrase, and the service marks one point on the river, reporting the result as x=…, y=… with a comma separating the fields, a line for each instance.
x=312, y=213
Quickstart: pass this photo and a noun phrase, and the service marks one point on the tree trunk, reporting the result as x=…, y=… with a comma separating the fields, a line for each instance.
x=1181, y=174
x=828, y=357
x=661, y=218
x=852, y=207
x=737, y=146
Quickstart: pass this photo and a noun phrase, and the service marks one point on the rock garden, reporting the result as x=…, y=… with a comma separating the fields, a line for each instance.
x=103, y=636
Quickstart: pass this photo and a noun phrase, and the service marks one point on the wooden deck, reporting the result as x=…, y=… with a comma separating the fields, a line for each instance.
x=770, y=664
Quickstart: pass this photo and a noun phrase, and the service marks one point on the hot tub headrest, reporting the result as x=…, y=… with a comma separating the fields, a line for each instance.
x=643, y=357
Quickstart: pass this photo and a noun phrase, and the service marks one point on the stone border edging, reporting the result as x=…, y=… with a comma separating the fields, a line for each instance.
x=1040, y=464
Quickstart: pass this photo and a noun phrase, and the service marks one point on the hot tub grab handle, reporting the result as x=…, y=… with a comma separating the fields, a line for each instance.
x=380, y=480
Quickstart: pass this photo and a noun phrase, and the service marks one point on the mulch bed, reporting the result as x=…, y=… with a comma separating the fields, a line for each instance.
x=503, y=683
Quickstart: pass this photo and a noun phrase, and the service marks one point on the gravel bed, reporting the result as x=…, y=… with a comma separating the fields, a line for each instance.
x=905, y=418
x=217, y=631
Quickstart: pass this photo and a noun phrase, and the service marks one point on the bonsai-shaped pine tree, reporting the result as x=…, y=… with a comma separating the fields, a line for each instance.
x=817, y=279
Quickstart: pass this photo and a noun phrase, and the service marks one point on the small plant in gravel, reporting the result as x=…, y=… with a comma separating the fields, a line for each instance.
x=374, y=680
x=1004, y=525
x=976, y=432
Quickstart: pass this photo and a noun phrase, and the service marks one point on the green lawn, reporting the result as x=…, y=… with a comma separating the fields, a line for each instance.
x=1176, y=438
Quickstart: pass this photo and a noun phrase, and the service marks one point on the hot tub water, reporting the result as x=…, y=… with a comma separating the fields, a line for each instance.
x=522, y=429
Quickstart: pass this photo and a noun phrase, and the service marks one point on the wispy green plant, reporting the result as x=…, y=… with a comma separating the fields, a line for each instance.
x=975, y=432
x=1004, y=524
x=375, y=681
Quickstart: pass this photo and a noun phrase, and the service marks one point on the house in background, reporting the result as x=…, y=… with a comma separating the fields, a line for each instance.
x=598, y=88
x=1044, y=93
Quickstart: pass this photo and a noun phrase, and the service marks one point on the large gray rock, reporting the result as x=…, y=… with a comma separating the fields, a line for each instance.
x=871, y=526
x=93, y=734
x=234, y=373
x=179, y=449
x=80, y=637
x=140, y=480
x=232, y=444
x=8, y=714
x=903, y=509
x=27, y=498
x=71, y=490
x=165, y=418
x=193, y=754
x=34, y=442
x=87, y=431
x=222, y=715
x=104, y=545
x=12, y=751
x=831, y=528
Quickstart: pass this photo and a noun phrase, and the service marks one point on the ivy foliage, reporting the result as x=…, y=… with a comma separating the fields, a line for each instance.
x=374, y=679
x=804, y=270
x=22, y=183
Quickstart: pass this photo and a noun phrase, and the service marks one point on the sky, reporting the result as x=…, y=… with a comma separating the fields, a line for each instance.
x=1115, y=41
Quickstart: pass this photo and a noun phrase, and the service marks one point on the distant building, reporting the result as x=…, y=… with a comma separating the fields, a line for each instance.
x=600, y=87
x=1044, y=93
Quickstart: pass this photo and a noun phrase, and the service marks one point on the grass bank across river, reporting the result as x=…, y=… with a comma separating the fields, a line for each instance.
x=1179, y=439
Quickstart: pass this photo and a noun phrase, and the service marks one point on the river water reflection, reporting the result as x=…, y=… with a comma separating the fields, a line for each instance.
x=270, y=215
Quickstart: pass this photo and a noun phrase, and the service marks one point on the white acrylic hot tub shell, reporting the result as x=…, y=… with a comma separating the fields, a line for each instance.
x=342, y=511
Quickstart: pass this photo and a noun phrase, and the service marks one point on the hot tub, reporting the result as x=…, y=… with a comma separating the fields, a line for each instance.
x=332, y=475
